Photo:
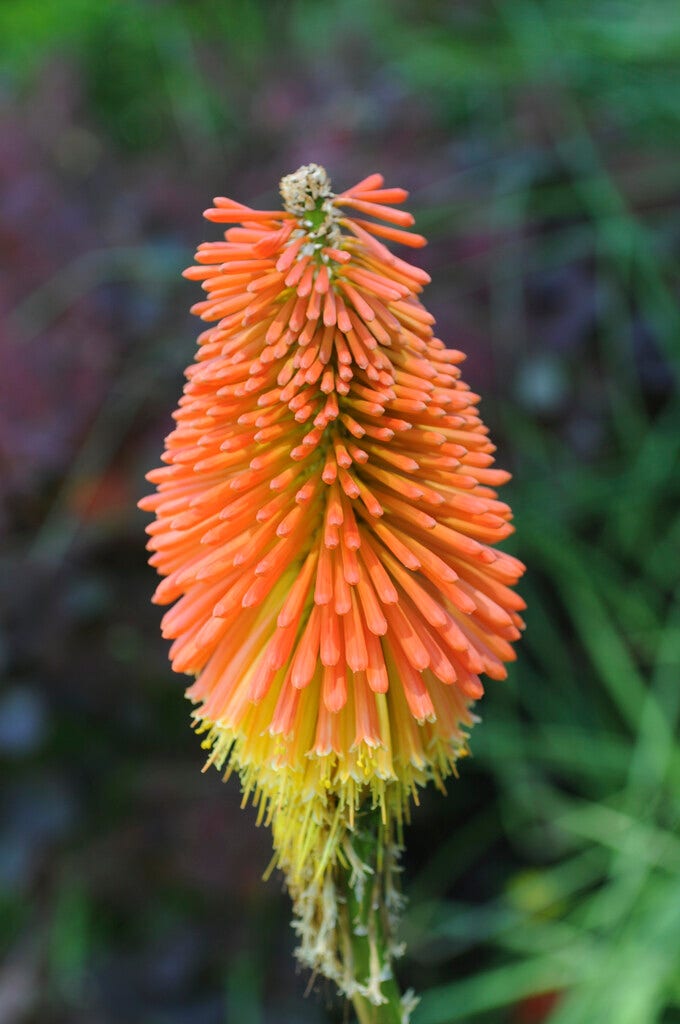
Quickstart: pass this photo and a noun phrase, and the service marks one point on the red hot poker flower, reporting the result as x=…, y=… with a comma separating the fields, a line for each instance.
x=326, y=524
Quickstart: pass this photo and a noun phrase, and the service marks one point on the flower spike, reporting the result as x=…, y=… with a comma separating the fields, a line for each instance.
x=326, y=529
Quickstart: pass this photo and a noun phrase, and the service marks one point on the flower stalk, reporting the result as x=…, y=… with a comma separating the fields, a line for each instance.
x=326, y=528
x=370, y=904
x=389, y=1012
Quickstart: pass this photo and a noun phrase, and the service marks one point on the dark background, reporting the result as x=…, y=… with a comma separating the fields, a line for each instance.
x=540, y=145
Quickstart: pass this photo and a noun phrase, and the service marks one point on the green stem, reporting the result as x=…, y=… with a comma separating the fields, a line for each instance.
x=365, y=922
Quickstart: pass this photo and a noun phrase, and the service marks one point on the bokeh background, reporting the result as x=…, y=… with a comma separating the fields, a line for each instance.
x=540, y=144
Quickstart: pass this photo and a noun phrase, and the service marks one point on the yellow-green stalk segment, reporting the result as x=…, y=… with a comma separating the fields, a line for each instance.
x=369, y=904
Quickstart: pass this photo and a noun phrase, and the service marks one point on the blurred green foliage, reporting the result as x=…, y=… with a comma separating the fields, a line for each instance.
x=554, y=891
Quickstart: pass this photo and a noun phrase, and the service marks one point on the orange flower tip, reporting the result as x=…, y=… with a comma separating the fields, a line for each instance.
x=373, y=181
x=387, y=195
x=496, y=671
x=337, y=255
x=471, y=687
x=335, y=702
